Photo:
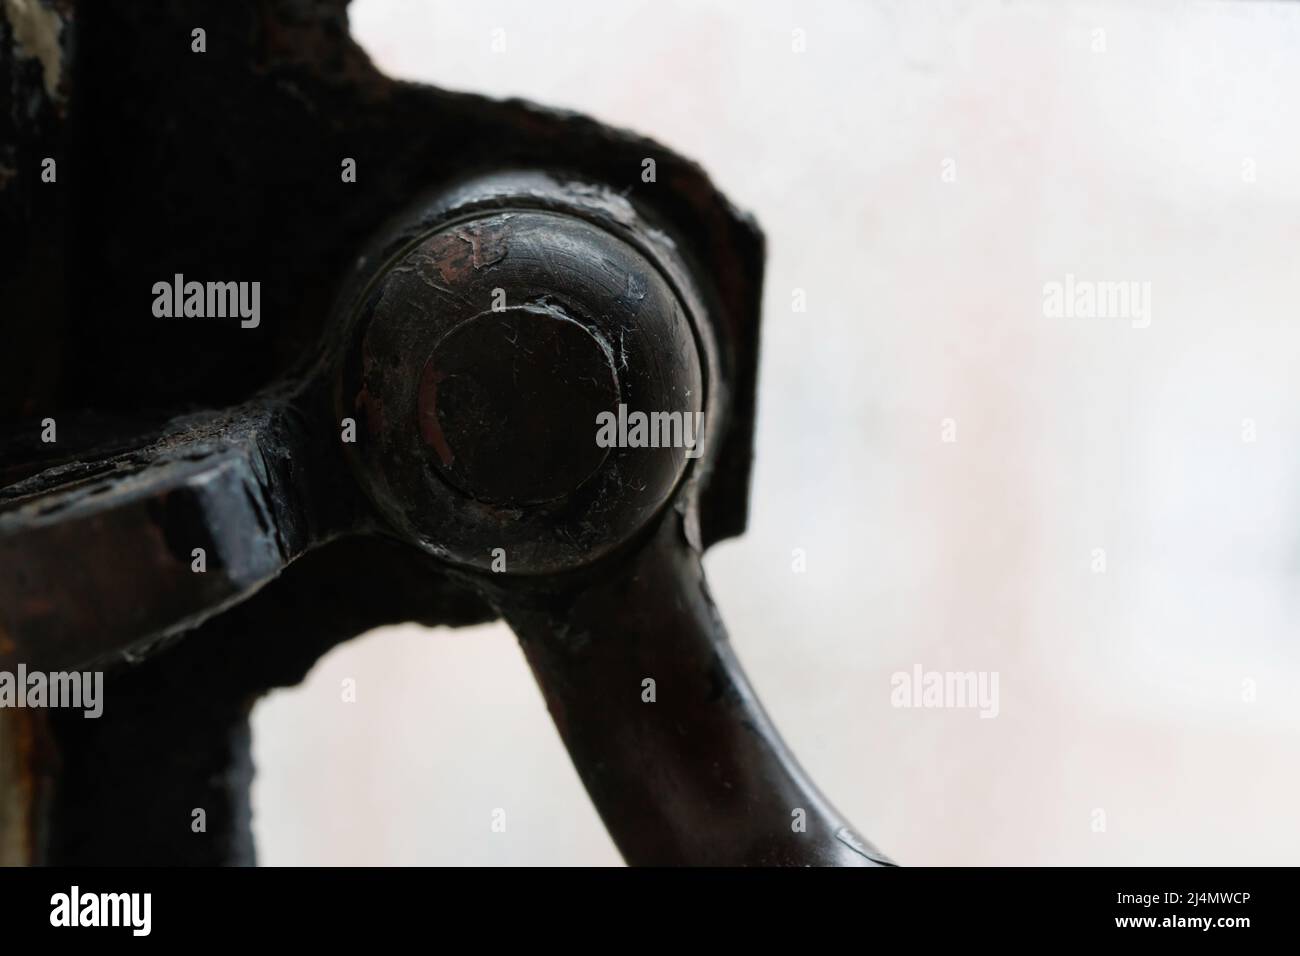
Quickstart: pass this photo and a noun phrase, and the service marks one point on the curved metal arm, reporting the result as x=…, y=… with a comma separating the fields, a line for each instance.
x=689, y=769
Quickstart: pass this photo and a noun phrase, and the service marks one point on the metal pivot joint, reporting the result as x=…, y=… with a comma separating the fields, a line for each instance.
x=481, y=353
x=409, y=433
x=487, y=447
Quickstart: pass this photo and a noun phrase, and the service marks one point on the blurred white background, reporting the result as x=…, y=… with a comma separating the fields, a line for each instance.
x=1161, y=692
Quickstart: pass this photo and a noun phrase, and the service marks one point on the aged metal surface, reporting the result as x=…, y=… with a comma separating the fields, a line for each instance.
x=506, y=414
x=99, y=552
x=697, y=773
x=174, y=734
x=467, y=312
x=26, y=774
x=226, y=165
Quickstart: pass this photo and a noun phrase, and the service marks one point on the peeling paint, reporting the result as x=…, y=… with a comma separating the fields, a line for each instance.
x=36, y=36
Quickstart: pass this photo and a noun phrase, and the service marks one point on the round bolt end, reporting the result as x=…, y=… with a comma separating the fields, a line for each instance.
x=508, y=402
x=483, y=361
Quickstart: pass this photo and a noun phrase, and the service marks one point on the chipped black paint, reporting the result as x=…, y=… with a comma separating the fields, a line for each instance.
x=232, y=170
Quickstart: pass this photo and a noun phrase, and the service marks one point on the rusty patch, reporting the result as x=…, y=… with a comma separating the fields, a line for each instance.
x=372, y=407
x=23, y=786
x=430, y=426
x=460, y=252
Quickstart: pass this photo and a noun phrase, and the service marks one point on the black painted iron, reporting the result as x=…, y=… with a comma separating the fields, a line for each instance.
x=408, y=434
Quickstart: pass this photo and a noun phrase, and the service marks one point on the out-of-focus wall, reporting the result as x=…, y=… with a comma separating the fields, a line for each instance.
x=1103, y=511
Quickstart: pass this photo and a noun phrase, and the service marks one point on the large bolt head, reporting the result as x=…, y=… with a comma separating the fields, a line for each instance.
x=481, y=359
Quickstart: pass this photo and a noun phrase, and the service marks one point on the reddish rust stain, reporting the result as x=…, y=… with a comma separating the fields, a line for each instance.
x=427, y=405
x=461, y=252
x=26, y=770
x=38, y=605
x=373, y=408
